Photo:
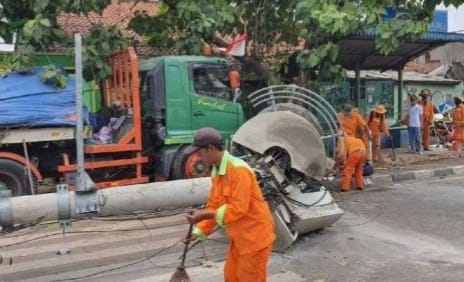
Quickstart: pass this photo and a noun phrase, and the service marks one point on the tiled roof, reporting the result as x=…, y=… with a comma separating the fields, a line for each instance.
x=117, y=13
x=416, y=67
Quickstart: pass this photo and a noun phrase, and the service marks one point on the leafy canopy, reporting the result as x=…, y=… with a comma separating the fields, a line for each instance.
x=35, y=24
x=188, y=24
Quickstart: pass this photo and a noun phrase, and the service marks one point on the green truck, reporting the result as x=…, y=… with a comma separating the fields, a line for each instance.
x=165, y=100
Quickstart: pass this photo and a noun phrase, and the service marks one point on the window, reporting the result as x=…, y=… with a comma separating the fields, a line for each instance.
x=208, y=80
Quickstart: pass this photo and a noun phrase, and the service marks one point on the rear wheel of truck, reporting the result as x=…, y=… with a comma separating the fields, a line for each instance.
x=14, y=177
x=188, y=165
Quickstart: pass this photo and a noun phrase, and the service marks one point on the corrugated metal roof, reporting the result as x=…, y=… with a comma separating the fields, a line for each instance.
x=429, y=36
x=407, y=77
x=358, y=50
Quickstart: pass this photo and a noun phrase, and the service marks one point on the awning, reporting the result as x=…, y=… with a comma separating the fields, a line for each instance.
x=358, y=51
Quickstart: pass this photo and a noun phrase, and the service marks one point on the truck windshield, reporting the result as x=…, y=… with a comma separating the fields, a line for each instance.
x=209, y=80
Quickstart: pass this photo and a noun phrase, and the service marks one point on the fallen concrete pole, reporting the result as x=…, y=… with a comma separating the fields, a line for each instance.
x=115, y=201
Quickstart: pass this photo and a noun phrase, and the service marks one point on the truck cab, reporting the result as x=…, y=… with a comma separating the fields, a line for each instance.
x=179, y=95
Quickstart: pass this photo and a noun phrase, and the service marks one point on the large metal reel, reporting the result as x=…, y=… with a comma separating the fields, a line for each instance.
x=289, y=131
x=302, y=101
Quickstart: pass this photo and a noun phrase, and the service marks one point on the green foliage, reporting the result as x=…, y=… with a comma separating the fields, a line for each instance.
x=186, y=24
x=97, y=47
x=51, y=75
x=35, y=24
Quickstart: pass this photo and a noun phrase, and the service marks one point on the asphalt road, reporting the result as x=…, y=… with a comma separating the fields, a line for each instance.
x=408, y=232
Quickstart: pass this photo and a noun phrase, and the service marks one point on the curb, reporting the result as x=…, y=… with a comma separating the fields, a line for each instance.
x=418, y=174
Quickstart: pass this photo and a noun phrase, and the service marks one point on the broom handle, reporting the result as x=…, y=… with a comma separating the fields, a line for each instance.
x=186, y=246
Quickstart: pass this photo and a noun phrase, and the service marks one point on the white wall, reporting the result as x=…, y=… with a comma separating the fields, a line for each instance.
x=455, y=17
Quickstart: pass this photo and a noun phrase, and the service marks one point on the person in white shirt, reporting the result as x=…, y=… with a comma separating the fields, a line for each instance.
x=415, y=113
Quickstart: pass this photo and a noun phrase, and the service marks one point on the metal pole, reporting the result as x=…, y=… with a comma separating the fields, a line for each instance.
x=358, y=87
x=29, y=174
x=80, y=180
x=400, y=92
x=115, y=201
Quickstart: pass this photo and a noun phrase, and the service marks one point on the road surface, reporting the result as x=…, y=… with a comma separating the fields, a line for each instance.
x=407, y=232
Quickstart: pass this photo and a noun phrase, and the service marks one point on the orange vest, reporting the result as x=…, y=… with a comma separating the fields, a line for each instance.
x=239, y=205
x=377, y=126
x=234, y=78
x=351, y=125
x=458, y=119
x=353, y=144
x=428, y=112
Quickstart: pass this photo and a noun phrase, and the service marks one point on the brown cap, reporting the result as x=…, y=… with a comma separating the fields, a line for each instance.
x=203, y=138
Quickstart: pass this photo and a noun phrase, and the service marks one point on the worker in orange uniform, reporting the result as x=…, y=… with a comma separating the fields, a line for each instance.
x=352, y=123
x=427, y=117
x=352, y=153
x=376, y=121
x=234, y=79
x=236, y=203
x=458, y=122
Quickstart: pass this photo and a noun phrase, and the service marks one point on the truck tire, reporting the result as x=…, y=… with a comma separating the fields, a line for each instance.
x=188, y=166
x=14, y=176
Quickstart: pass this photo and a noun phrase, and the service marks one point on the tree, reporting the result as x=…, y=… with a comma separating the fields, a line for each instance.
x=187, y=25
x=35, y=25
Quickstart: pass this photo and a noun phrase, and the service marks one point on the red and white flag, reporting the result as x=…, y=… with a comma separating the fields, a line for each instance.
x=236, y=47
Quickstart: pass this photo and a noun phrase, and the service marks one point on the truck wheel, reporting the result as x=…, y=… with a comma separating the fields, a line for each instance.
x=14, y=176
x=188, y=166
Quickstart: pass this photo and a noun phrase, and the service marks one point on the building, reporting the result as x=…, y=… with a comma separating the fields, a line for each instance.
x=449, y=57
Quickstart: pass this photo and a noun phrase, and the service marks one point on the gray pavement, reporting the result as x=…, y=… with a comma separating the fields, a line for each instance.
x=431, y=164
x=409, y=231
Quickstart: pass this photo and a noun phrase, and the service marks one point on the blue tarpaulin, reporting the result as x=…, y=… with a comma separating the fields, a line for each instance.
x=26, y=101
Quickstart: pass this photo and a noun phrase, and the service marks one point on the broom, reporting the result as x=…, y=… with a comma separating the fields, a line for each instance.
x=181, y=275
x=393, y=149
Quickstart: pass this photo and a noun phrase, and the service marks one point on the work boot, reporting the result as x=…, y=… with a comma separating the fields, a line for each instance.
x=360, y=188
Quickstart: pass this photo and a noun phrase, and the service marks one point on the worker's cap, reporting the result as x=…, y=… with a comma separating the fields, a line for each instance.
x=458, y=99
x=348, y=108
x=380, y=109
x=203, y=138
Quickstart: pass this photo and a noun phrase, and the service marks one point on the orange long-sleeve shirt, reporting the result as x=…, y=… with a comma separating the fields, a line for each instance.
x=234, y=77
x=353, y=144
x=377, y=126
x=239, y=205
x=347, y=145
x=458, y=121
x=351, y=125
x=427, y=115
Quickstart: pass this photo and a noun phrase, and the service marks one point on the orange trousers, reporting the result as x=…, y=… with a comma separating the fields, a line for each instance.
x=246, y=268
x=426, y=136
x=376, y=142
x=354, y=164
x=458, y=140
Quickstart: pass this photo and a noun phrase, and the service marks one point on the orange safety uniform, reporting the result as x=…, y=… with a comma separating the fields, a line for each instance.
x=377, y=125
x=354, y=160
x=458, y=121
x=352, y=126
x=427, y=118
x=234, y=78
x=240, y=207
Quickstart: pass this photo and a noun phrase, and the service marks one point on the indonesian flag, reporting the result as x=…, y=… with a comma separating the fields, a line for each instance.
x=236, y=47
